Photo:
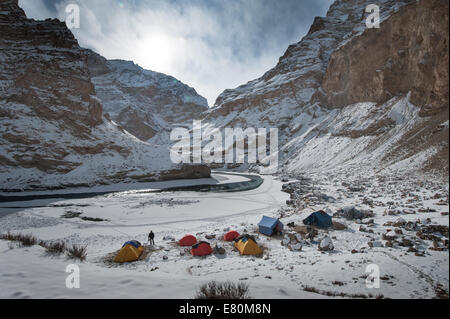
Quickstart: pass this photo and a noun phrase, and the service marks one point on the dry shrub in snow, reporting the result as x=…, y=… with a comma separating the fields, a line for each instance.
x=77, y=252
x=227, y=290
x=24, y=240
x=54, y=248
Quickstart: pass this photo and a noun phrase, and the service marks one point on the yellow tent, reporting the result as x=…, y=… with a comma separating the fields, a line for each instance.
x=246, y=246
x=129, y=253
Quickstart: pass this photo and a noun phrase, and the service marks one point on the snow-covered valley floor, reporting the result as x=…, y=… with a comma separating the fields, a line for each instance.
x=170, y=272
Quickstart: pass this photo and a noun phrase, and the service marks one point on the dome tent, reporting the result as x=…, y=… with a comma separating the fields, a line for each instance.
x=187, y=240
x=201, y=249
x=130, y=251
x=231, y=235
x=269, y=226
x=247, y=246
x=319, y=219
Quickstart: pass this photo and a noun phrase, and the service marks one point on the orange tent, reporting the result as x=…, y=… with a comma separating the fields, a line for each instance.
x=188, y=240
x=201, y=249
x=231, y=235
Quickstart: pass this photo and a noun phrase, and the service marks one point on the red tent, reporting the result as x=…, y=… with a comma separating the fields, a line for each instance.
x=188, y=240
x=201, y=249
x=231, y=235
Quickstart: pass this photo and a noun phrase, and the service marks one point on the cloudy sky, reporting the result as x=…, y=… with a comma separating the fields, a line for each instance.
x=210, y=45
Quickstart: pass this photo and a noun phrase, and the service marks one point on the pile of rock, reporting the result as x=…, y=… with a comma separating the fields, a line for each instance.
x=436, y=233
x=352, y=213
x=401, y=223
x=304, y=194
x=293, y=241
x=424, y=231
x=307, y=232
x=355, y=187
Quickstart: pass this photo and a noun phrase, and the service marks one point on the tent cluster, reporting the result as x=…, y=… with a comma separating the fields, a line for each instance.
x=199, y=249
x=130, y=251
x=245, y=244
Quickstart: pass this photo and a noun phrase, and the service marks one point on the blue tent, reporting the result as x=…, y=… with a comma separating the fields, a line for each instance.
x=319, y=219
x=268, y=226
x=133, y=243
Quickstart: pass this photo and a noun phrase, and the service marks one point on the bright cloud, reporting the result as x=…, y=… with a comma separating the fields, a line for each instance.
x=211, y=45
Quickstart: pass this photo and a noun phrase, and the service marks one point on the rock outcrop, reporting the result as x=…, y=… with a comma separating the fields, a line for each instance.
x=394, y=60
x=28, y=48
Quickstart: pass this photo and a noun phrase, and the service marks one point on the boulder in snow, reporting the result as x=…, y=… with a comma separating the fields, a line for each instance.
x=326, y=244
x=297, y=247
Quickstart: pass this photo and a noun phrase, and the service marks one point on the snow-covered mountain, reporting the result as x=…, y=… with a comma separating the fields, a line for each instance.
x=344, y=97
x=347, y=95
x=141, y=101
x=52, y=129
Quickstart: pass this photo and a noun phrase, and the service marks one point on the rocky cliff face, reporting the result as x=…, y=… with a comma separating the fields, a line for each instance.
x=408, y=54
x=28, y=47
x=143, y=102
x=348, y=96
x=52, y=129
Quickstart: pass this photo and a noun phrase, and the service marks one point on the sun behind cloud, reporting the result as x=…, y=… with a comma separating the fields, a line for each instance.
x=155, y=52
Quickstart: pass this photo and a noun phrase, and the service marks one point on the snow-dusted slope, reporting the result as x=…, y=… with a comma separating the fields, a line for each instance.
x=142, y=101
x=314, y=134
x=52, y=130
x=359, y=137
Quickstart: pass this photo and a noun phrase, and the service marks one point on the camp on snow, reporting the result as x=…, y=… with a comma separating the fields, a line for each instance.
x=319, y=219
x=130, y=251
x=231, y=235
x=270, y=226
x=188, y=241
x=201, y=249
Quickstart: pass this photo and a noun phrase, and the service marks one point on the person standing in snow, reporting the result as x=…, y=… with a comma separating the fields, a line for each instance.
x=151, y=238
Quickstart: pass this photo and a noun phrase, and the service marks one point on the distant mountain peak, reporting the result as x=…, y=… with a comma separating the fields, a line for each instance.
x=144, y=102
